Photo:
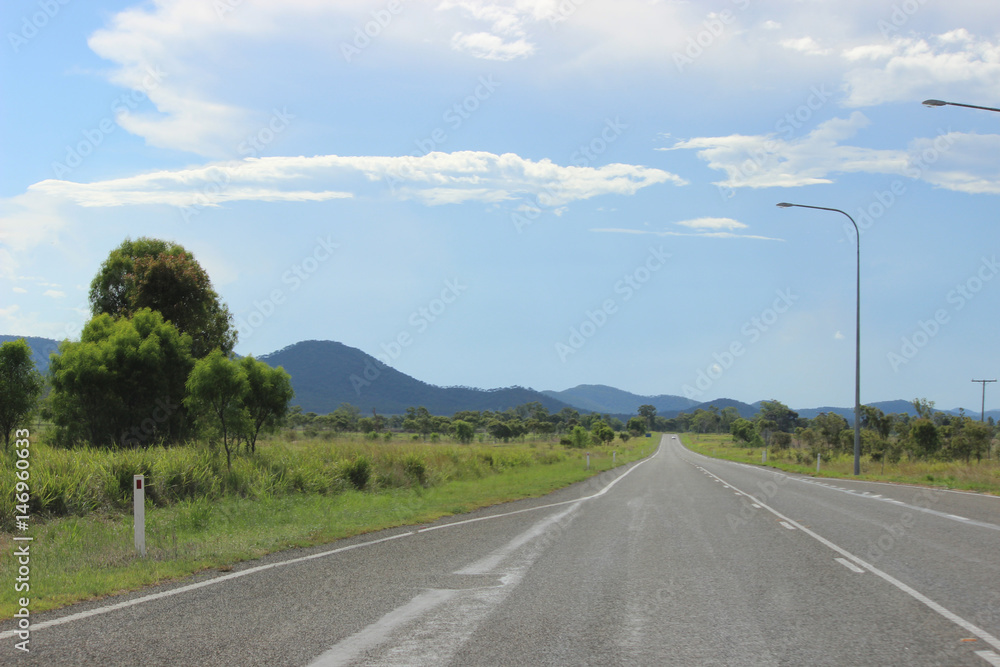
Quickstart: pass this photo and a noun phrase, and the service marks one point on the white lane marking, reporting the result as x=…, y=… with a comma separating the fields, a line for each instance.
x=912, y=592
x=350, y=648
x=787, y=525
x=856, y=494
x=260, y=568
x=990, y=657
x=755, y=505
x=849, y=565
x=354, y=647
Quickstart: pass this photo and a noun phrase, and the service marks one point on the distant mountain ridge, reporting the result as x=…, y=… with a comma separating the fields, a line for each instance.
x=608, y=400
x=326, y=374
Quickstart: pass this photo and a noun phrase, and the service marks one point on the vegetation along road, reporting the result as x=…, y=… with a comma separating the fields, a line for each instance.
x=674, y=559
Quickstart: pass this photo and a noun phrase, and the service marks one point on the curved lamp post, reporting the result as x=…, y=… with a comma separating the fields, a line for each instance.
x=857, y=340
x=941, y=103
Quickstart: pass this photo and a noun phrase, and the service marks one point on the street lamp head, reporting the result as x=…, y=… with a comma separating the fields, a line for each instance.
x=934, y=103
x=785, y=204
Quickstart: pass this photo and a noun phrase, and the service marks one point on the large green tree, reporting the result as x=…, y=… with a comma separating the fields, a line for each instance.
x=648, y=412
x=122, y=384
x=784, y=418
x=163, y=276
x=20, y=386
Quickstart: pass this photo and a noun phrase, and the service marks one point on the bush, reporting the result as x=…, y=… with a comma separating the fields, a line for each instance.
x=358, y=472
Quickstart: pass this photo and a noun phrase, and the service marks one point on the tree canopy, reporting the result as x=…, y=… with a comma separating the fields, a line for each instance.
x=20, y=386
x=164, y=277
x=123, y=383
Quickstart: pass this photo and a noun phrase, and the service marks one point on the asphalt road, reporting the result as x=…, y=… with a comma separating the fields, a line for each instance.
x=675, y=560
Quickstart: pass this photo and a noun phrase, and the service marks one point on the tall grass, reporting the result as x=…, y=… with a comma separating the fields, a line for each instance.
x=80, y=481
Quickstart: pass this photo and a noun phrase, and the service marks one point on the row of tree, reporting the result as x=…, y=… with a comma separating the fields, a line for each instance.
x=531, y=418
x=928, y=435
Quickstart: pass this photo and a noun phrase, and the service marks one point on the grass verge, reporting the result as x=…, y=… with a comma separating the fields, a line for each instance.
x=983, y=477
x=91, y=555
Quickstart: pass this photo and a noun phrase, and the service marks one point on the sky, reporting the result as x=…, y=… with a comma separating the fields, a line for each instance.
x=542, y=193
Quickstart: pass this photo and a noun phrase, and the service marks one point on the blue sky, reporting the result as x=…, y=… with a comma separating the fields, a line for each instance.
x=534, y=192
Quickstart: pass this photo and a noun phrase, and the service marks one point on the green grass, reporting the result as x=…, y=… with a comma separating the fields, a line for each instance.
x=292, y=494
x=983, y=477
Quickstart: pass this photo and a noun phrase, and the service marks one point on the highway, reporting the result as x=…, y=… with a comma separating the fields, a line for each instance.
x=674, y=560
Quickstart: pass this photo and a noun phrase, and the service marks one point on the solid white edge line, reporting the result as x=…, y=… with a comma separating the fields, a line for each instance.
x=260, y=568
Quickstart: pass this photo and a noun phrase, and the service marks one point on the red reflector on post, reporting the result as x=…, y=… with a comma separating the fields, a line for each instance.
x=138, y=484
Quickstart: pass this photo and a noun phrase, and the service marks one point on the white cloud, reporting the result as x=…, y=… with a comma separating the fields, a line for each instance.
x=838, y=336
x=54, y=294
x=761, y=161
x=435, y=178
x=491, y=47
x=19, y=290
x=912, y=68
x=954, y=161
x=712, y=224
x=806, y=45
x=702, y=234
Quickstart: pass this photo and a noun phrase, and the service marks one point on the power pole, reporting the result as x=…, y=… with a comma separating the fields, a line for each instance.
x=982, y=414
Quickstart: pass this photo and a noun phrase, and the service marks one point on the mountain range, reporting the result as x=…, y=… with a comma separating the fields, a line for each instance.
x=326, y=374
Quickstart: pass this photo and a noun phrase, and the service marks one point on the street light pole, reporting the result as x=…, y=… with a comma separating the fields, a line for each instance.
x=857, y=336
x=982, y=413
x=941, y=103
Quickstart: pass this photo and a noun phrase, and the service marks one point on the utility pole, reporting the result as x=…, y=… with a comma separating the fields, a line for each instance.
x=982, y=414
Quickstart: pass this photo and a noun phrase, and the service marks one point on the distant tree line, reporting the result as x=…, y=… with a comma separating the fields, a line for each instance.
x=930, y=435
x=533, y=418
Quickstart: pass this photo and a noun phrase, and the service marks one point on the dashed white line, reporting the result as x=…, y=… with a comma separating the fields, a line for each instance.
x=849, y=565
x=912, y=592
x=787, y=525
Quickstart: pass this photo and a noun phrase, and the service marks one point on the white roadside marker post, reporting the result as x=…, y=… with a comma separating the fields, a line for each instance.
x=139, y=507
x=588, y=460
x=817, y=462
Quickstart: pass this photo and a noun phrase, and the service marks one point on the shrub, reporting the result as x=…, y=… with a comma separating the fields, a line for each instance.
x=358, y=472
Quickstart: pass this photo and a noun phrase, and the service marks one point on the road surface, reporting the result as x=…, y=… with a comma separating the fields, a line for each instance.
x=674, y=560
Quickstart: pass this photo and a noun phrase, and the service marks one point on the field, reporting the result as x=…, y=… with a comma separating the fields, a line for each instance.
x=983, y=477
x=291, y=493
